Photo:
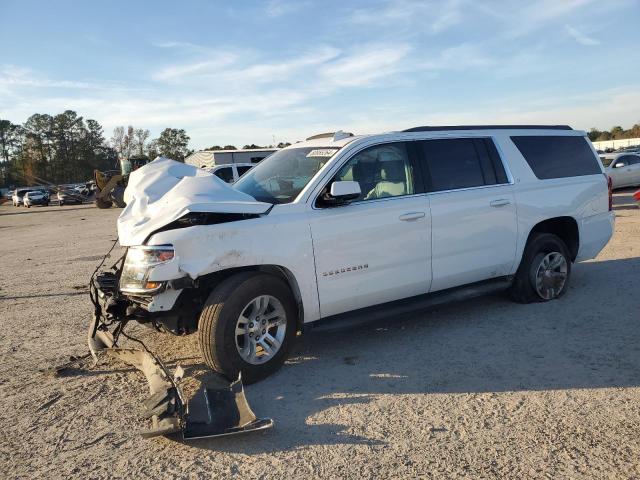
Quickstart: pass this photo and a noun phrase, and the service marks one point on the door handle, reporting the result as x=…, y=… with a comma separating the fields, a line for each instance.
x=500, y=203
x=408, y=217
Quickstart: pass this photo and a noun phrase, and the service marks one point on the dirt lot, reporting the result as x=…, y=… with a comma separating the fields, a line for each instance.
x=483, y=388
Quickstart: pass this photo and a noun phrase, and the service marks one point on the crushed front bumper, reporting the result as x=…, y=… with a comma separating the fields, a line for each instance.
x=211, y=412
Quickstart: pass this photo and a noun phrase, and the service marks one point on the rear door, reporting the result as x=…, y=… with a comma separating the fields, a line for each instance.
x=473, y=211
x=633, y=165
x=377, y=248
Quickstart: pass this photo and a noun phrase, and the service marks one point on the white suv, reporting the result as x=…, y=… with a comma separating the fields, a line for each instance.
x=231, y=172
x=354, y=226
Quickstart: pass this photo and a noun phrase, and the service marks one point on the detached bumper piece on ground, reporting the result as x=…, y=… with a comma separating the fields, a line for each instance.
x=210, y=413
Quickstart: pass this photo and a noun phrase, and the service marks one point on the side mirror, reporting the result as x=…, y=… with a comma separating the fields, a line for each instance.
x=345, y=190
x=618, y=165
x=341, y=193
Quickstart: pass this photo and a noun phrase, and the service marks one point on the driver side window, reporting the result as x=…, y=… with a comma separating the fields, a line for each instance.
x=382, y=171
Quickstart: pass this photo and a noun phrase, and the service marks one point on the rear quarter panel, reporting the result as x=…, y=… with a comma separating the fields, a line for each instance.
x=584, y=198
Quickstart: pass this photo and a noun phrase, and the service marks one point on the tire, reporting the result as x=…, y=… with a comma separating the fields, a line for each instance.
x=100, y=203
x=221, y=313
x=541, y=246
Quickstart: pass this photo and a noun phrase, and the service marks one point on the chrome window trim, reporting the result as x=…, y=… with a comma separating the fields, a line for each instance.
x=368, y=202
x=465, y=189
x=341, y=163
x=349, y=155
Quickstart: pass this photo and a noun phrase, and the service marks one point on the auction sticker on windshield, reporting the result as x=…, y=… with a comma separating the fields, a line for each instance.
x=322, y=152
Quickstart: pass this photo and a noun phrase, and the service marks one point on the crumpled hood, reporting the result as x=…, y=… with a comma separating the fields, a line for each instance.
x=165, y=190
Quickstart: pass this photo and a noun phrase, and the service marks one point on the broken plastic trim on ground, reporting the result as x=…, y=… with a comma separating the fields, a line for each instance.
x=212, y=412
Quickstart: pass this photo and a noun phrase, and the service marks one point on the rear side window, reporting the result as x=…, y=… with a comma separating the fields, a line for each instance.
x=557, y=157
x=461, y=163
x=225, y=173
x=243, y=170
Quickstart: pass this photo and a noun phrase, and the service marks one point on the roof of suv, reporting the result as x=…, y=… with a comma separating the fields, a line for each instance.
x=326, y=140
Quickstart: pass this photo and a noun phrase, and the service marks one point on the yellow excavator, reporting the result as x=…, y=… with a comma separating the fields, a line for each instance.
x=110, y=184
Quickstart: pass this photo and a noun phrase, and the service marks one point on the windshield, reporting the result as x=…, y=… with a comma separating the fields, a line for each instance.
x=606, y=161
x=280, y=177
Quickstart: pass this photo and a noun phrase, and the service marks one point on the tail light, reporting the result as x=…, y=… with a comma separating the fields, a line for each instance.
x=610, y=185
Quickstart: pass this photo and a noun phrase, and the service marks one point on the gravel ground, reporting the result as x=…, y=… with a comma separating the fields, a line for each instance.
x=482, y=388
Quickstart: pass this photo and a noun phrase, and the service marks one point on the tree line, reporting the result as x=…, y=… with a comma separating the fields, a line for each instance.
x=616, y=133
x=66, y=148
x=246, y=147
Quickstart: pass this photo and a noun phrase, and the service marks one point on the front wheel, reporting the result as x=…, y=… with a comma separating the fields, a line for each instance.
x=248, y=325
x=544, y=271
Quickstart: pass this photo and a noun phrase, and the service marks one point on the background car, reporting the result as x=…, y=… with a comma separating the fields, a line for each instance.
x=231, y=172
x=18, y=196
x=36, y=197
x=68, y=196
x=622, y=168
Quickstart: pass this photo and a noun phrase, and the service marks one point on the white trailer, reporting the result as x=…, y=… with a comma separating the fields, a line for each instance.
x=211, y=158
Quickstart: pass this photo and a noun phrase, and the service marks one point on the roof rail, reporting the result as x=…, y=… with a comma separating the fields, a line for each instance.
x=320, y=135
x=487, y=127
x=339, y=135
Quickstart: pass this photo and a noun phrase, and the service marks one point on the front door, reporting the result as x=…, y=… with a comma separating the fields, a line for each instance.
x=376, y=249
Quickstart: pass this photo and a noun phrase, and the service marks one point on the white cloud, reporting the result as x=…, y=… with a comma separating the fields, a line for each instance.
x=433, y=16
x=364, y=66
x=278, y=8
x=214, y=62
x=543, y=10
x=580, y=37
x=16, y=76
x=459, y=57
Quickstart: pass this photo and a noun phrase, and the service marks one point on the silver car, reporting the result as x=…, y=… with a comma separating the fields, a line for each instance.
x=623, y=168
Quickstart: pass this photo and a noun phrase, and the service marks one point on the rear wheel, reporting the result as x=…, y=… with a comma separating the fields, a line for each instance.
x=544, y=271
x=248, y=325
x=101, y=203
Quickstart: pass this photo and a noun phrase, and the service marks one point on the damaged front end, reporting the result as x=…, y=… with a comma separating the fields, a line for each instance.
x=211, y=412
x=152, y=286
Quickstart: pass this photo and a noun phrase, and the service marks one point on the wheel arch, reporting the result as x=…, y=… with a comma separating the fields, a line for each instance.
x=565, y=227
x=213, y=279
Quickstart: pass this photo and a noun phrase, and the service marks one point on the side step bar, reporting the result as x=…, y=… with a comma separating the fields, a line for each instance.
x=419, y=303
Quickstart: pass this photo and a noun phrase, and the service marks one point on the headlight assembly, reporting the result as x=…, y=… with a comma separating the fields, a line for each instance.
x=138, y=265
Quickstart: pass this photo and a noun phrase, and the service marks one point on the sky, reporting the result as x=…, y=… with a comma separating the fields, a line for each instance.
x=257, y=72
